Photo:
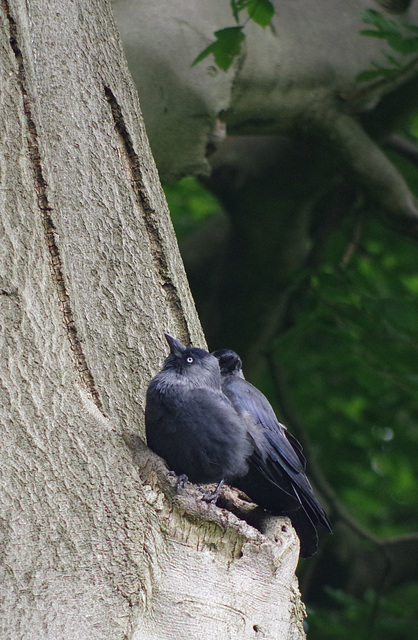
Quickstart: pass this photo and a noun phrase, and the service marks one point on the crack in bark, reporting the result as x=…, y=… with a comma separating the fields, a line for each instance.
x=141, y=196
x=11, y=292
x=49, y=227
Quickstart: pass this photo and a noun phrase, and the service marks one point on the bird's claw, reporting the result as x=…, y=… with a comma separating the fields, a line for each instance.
x=211, y=496
x=182, y=480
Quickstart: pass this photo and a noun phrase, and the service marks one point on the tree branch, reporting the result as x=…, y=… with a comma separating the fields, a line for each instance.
x=366, y=160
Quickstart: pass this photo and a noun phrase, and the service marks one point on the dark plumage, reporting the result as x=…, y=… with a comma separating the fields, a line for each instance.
x=191, y=423
x=276, y=477
x=211, y=425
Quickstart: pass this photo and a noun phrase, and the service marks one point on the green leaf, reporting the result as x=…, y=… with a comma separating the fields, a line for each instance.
x=370, y=74
x=406, y=46
x=373, y=34
x=371, y=16
x=261, y=11
x=226, y=47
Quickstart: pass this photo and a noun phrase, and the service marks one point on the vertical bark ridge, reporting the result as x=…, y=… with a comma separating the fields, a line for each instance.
x=154, y=233
x=45, y=209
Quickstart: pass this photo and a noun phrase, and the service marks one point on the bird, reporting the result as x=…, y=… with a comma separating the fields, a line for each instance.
x=192, y=424
x=212, y=426
x=276, y=478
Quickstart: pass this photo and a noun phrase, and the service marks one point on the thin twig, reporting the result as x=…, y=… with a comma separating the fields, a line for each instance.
x=353, y=244
x=405, y=148
x=376, y=88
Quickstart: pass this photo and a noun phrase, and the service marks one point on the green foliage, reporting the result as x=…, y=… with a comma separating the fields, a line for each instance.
x=396, y=37
x=226, y=47
x=369, y=617
x=355, y=379
x=261, y=11
x=388, y=30
x=228, y=43
x=189, y=203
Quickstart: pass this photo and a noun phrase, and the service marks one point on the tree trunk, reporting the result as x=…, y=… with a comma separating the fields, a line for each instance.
x=95, y=542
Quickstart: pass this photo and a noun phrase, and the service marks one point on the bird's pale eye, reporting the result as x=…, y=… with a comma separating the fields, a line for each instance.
x=189, y=359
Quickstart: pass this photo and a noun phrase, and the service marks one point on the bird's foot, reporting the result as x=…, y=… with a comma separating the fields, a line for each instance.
x=211, y=496
x=182, y=480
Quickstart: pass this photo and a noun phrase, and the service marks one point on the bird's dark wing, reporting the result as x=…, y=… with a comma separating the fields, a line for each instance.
x=273, y=466
x=278, y=458
x=296, y=446
x=285, y=447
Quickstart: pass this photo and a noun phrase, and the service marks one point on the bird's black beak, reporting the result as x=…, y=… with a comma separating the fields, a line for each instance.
x=176, y=347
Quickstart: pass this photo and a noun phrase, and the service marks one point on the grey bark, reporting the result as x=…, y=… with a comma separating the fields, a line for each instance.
x=95, y=544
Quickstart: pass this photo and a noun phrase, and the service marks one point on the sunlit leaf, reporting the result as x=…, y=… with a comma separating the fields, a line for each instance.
x=261, y=11
x=225, y=49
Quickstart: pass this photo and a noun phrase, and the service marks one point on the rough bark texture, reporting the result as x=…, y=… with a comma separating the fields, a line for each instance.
x=90, y=277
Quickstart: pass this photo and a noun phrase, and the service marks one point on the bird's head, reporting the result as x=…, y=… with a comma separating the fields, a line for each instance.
x=196, y=366
x=229, y=362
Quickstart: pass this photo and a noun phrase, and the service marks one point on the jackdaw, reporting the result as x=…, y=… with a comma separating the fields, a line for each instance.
x=276, y=478
x=192, y=424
